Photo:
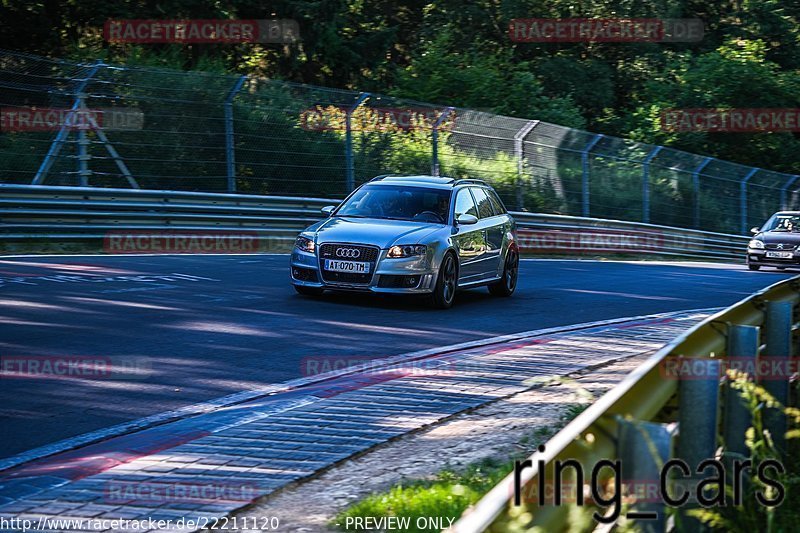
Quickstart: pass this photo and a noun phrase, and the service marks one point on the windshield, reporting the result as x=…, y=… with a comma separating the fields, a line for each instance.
x=783, y=223
x=398, y=202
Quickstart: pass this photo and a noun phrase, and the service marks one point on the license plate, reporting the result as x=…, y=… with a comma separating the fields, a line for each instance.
x=780, y=255
x=356, y=267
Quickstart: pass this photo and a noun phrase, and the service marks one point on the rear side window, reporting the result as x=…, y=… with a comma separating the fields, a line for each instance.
x=499, y=208
x=484, y=204
x=465, y=205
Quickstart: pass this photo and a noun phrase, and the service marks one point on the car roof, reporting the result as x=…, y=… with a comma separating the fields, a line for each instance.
x=438, y=182
x=791, y=213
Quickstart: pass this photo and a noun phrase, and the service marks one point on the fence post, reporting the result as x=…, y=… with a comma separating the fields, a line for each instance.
x=519, y=153
x=230, y=156
x=644, y=447
x=743, y=199
x=585, y=174
x=742, y=344
x=63, y=132
x=646, y=183
x=83, y=145
x=778, y=348
x=784, y=190
x=350, y=179
x=696, y=187
x=435, y=140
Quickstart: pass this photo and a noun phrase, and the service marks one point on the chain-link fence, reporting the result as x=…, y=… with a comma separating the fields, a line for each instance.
x=65, y=123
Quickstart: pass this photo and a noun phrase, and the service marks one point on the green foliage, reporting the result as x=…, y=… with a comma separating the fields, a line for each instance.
x=447, y=495
x=752, y=516
x=736, y=75
x=470, y=78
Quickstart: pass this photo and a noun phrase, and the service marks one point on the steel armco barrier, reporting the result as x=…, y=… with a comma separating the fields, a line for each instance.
x=66, y=214
x=630, y=422
x=62, y=214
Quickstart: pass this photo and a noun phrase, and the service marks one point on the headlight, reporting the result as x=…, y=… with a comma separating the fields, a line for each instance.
x=305, y=244
x=408, y=250
x=755, y=243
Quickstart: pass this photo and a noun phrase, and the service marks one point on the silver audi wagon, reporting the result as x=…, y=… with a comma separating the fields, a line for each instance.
x=411, y=235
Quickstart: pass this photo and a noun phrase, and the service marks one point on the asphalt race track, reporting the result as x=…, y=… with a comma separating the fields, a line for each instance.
x=201, y=327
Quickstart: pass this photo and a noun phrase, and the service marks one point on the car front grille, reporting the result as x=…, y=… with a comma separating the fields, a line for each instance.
x=783, y=247
x=367, y=254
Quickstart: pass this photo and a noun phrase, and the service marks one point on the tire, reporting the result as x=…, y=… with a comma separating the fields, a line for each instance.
x=754, y=267
x=308, y=291
x=508, y=283
x=444, y=291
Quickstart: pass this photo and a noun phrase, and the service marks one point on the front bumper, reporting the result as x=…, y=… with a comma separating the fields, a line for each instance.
x=759, y=257
x=390, y=276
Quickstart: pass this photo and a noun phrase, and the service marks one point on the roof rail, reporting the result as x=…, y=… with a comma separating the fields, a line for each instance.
x=469, y=180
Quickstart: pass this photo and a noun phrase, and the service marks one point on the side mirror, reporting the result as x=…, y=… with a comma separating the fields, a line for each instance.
x=754, y=231
x=328, y=209
x=466, y=220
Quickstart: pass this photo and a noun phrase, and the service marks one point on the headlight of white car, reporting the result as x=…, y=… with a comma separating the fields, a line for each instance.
x=755, y=243
x=305, y=244
x=406, y=250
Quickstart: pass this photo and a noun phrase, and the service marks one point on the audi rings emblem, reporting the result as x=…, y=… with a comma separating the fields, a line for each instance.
x=351, y=253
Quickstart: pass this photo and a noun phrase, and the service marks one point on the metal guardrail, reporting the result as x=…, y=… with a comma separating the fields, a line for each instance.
x=632, y=422
x=632, y=237
x=44, y=213
x=51, y=213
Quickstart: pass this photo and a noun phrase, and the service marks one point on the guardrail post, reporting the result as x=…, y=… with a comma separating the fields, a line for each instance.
x=519, y=153
x=644, y=447
x=63, y=131
x=743, y=199
x=435, y=140
x=778, y=348
x=696, y=187
x=743, y=346
x=646, y=183
x=350, y=180
x=784, y=190
x=698, y=422
x=585, y=174
x=230, y=155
